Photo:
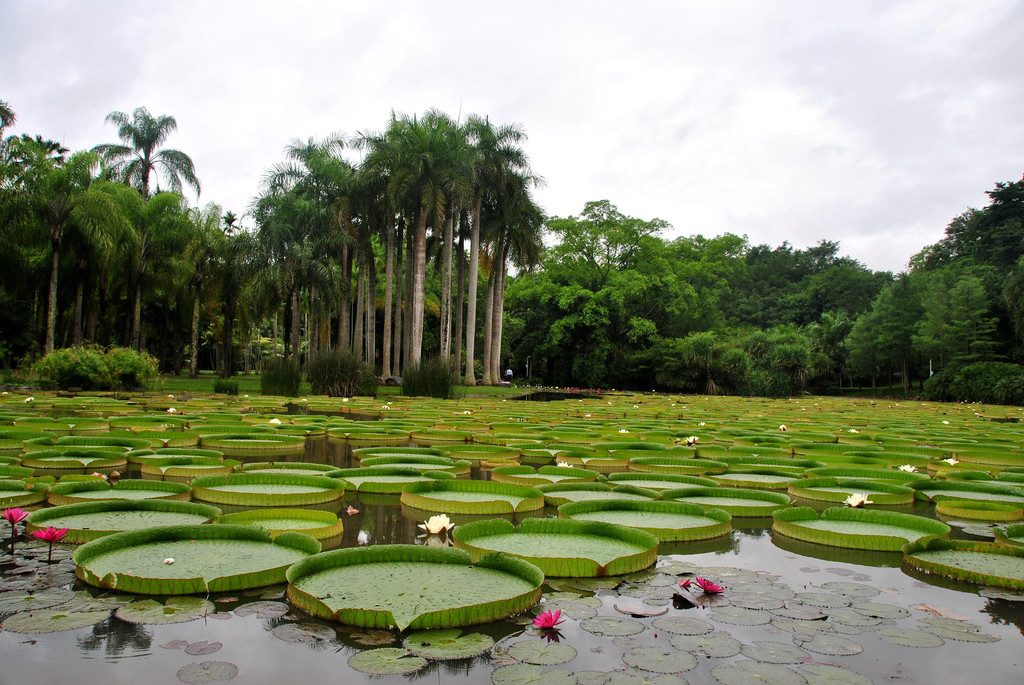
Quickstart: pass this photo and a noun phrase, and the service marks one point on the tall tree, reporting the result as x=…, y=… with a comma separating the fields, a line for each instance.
x=139, y=155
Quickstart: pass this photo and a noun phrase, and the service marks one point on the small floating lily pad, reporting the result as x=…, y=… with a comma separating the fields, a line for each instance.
x=612, y=626
x=542, y=653
x=207, y=672
x=660, y=660
x=448, y=644
x=531, y=674
x=773, y=652
x=745, y=672
x=832, y=645
x=303, y=633
x=262, y=609
x=52, y=620
x=718, y=645
x=683, y=625
x=826, y=674
x=174, y=610
x=906, y=637
x=740, y=616
x=20, y=600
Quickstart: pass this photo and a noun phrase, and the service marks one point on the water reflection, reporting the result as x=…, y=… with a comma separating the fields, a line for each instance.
x=115, y=636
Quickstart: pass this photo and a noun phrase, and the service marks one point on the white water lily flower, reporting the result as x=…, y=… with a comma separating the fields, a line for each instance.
x=437, y=524
x=702, y=424
x=952, y=461
x=857, y=500
x=783, y=427
x=692, y=440
x=168, y=561
x=172, y=410
x=636, y=406
x=170, y=397
x=274, y=421
x=623, y=430
x=945, y=422
x=908, y=468
x=245, y=396
x=344, y=399
x=563, y=464
x=853, y=430
x=586, y=416
x=30, y=399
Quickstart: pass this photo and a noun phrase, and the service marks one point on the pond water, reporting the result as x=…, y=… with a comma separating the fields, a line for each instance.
x=788, y=605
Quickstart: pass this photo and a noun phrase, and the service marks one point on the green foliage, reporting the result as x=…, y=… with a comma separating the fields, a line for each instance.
x=225, y=386
x=90, y=368
x=436, y=377
x=281, y=376
x=340, y=373
x=988, y=382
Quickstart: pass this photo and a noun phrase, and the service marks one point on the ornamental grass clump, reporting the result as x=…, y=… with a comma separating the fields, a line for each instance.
x=435, y=377
x=281, y=377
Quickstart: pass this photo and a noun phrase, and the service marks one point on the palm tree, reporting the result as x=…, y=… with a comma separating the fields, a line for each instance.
x=56, y=196
x=206, y=245
x=496, y=156
x=140, y=155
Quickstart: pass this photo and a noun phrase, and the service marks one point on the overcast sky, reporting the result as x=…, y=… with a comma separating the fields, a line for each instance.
x=869, y=123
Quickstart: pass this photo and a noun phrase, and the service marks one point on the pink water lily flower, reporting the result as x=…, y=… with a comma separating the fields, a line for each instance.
x=50, y=535
x=684, y=583
x=708, y=586
x=14, y=515
x=548, y=620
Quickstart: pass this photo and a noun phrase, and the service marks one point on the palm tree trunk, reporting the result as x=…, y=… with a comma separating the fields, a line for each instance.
x=137, y=314
x=446, y=284
x=460, y=300
x=399, y=299
x=371, y=304
x=357, y=338
x=296, y=314
x=474, y=268
x=79, y=299
x=346, y=299
x=389, y=284
x=498, y=309
x=51, y=305
x=193, y=359
x=488, y=378
x=419, y=286
x=410, y=271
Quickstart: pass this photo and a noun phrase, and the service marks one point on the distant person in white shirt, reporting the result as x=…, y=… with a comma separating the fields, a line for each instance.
x=508, y=375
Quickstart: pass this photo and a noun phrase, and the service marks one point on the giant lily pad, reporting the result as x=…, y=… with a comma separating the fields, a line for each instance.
x=133, y=489
x=174, y=610
x=201, y=559
x=557, y=494
x=386, y=479
x=976, y=562
x=735, y=501
x=562, y=547
x=267, y=489
x=87, y=521
x=412, y=586
x=320, y=525
x=526, y=475
x=471, y=497
x=255, y=443
x=856, y=528
x=52, y=620
x=830, y=489
x=18, y=493
x=666, y=520
x=444, y=645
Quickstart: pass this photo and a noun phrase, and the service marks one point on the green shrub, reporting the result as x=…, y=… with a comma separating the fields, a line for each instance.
x=225, y=386
x=128, y=368
x=92, y=368
x=281, y=377
x=989, y=382
x=340, y=374
x=435, y=377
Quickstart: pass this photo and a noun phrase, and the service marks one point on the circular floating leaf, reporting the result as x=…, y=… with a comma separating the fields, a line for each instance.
x=739, y=616
x=909, y=638
x=611, y=626
x=952, y=629
x=207, y=672
x=545, y=654
x=851, y=589
x=320, y=525
x=669, y=521
x=304, y=633
x=658, y=660
x=822, y=599
x=447, y=644
x=849, y=616
x=15, y=601
x=976, y=562
x=52, y=620
x=854, y=528
x=175, y=610
x=412, y=586
x=83, y=601
x=561, y=547
x=774, y=652
x=267, y=489
x=879, y=610
x=386, y=661
x=202, y=559
x=87, y=521
x=683, y=625
x=823, y=674
x=202, y=648
x=263, y=609
x=471, y=497
x=637, y=608
x=530, y=674
x=747, y=672
x=717, y=645
x=638, y=677
x=833, y=645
